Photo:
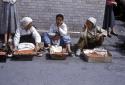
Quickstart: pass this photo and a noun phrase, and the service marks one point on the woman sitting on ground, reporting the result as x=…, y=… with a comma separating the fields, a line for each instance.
x=91, y=35
x=27, y=33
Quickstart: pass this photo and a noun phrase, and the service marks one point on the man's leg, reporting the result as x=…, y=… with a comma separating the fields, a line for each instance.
x=66, y=41
x=113, y=23
x=5, y=38
x=80, y=45
x=47, y=39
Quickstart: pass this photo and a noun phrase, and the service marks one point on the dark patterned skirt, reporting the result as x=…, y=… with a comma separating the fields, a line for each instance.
x=109, y=19
x=8, y=23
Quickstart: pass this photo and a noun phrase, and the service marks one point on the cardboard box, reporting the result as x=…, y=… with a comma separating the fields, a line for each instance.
x=93, y=56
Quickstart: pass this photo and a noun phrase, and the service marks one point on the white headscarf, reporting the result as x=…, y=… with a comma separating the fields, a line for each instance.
x=92, y=20
x=25, y=21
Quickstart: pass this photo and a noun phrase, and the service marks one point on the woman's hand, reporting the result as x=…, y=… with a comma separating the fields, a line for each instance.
x=36, y=47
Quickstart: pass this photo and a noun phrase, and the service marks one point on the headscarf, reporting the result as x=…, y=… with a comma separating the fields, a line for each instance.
x=92, y=20
x=25, y=21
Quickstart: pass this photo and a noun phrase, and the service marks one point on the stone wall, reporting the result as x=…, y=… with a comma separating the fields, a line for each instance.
x=75, y=12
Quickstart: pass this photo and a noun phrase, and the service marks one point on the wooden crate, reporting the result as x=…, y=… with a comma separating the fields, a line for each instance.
x=59, y=55
x=24, y=55
x=100, y=56
x=25, y=52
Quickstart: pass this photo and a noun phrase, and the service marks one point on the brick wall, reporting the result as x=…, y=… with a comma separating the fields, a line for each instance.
x=75, y=11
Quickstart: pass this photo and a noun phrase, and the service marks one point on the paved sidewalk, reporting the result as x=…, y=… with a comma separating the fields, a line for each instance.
x=72, y=71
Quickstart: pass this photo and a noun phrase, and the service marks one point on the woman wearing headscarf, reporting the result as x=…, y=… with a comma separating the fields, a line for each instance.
x=91, y=35
x=8, y=22
x=109, y=19
x=26, y=33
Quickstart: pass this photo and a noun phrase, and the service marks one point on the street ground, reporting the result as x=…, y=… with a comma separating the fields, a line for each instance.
x=72, y=71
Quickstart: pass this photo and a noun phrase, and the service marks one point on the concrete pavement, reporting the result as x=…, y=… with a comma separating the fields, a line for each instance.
x=72, y=71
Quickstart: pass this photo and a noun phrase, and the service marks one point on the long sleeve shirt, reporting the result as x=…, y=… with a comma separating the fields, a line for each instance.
x=21, y=31
x=109, y=2
x=93, y=32
x=62, y=29
x=10, y=1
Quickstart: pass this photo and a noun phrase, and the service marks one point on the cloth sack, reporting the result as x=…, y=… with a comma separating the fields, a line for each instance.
x=55, y=49
x=26, y=46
